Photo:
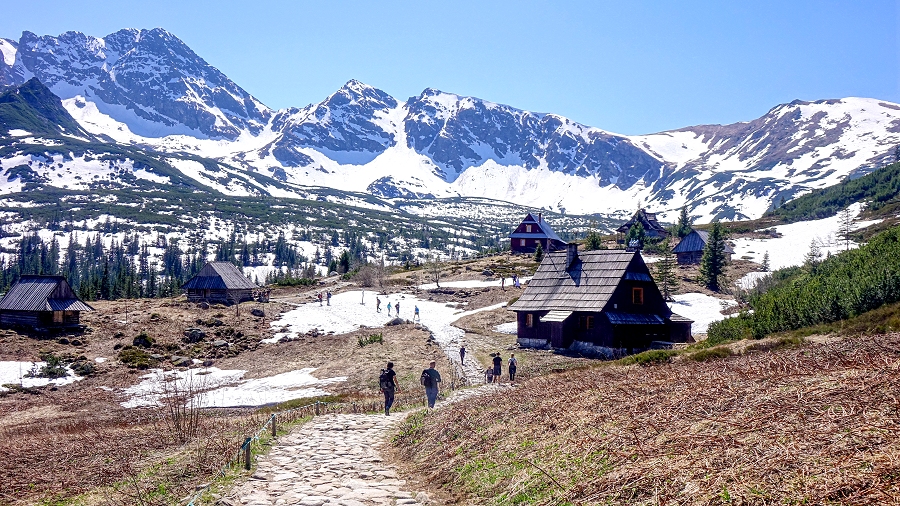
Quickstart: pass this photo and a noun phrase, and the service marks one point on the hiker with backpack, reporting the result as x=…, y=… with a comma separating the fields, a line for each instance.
x=431, y=380
x=513, y=365
x=387, y=380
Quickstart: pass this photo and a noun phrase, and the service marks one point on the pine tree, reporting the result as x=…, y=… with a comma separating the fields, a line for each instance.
x=683, y=228
x=636, y=233
x=765, y=262
x=712, y=264
x=813, y=255
x=666, y=278
x=539, y=253
x=845, y=227
x=593, y=241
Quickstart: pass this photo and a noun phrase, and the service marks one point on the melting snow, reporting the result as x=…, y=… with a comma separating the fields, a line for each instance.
x=703, y=309
x=14, y=373
x=214, y=387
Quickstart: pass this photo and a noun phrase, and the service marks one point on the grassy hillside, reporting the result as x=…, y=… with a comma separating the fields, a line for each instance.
x=807, y=425
x=840, y=287
x=877, y=189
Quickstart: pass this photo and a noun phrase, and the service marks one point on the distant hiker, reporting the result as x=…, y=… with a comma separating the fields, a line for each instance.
x=416, y=315
x=516, y=281
x=431, y=380
x=389, y=308
x=378, y=305
x=489, y=375
x=498, y=364
x=462, y=354
x=328, y=296
x=397, y=307
x=320, y=298
x=387, y=380
x=503, y=283
x=513, y=363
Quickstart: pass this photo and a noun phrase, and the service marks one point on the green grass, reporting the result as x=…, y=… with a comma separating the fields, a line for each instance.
x=649, y=357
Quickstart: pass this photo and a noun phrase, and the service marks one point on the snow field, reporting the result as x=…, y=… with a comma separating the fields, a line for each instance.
x=791, y=249
x=14, y=373
x=214, y=387
x=703, y=309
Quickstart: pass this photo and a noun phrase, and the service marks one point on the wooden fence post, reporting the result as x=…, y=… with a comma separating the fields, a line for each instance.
x=247, y=453
x=317, y=408
x=274, y=431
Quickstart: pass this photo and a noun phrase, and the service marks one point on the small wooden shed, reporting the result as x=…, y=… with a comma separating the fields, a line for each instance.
x=690, y=249
x=42, y=303
x=604, y=301
x=533, y=231
x=219, y=282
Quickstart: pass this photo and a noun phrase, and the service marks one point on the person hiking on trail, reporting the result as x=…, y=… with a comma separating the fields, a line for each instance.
x=503, y=283
x=397, y=307
x=378, y=305
x=489, y=374
x=328, y=296
x=431, y=380
x=516, y=281
x=320, y=298
x=498, y=364
x=462, y=354
x=387, y=380
x=416, y=315
x=389, y=308
x=513, y=363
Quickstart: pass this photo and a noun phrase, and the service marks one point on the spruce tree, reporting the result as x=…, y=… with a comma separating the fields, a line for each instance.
x=712, y=264
x=593, y=241
x=683, y=228
x=845, y=227
x=765, y=262
x=666, y=277
x=636, y=233
x=539, y=253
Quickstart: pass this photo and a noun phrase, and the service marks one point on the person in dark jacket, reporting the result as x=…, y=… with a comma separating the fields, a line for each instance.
x=431, y=380
x=388, y=383
x=498, y=365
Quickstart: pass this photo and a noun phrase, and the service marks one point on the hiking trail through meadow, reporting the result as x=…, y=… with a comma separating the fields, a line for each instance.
x=335, y=459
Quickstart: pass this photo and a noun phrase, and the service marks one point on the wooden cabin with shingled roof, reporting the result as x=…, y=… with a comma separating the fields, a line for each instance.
x=690, y=249
x=219, y=282
x=652, y=228
x=601, y=302
x=531, y=232
x=42, y=303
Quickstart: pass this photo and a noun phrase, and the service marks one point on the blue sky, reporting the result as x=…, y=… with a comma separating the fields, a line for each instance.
x=629, y=66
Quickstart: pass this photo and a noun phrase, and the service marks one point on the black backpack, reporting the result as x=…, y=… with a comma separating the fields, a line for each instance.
x=384, y=380
x=426, y=379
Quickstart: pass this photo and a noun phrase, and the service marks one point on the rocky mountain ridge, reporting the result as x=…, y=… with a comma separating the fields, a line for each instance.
x=146, y=87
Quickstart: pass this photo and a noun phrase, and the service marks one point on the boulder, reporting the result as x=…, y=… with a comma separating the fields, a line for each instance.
x=142, y=340
x=203, y=305
x=396, y=321
x=219, y=343
x=179, y=361
x=257, y=312
x=76, y=342
x=487, y=272
x=194, y=335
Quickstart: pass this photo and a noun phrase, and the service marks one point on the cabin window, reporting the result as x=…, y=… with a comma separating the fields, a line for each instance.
x=637, y=296
x=57, y=317
x=587, y=322
x=529, y=320
x=521, y=242
x=528, y=228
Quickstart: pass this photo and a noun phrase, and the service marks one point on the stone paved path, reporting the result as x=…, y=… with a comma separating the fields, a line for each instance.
x=334, y=460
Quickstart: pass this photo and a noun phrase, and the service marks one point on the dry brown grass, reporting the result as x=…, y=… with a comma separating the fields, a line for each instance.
x=815, y=424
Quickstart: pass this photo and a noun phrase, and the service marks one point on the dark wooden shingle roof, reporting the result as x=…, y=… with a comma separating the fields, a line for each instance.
x=543, y=230
x=42, y=293
x=696, y=241
x=219, y=276
x=586, y=286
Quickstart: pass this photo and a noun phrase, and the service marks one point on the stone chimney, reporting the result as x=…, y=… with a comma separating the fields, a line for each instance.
x=539, y=217
x=571, y=253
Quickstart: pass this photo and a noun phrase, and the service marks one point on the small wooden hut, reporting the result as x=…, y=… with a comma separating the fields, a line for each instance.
x=219, y=282
x=602, y=301
x=690, y=249
x=531, y=232
x=42, y=303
